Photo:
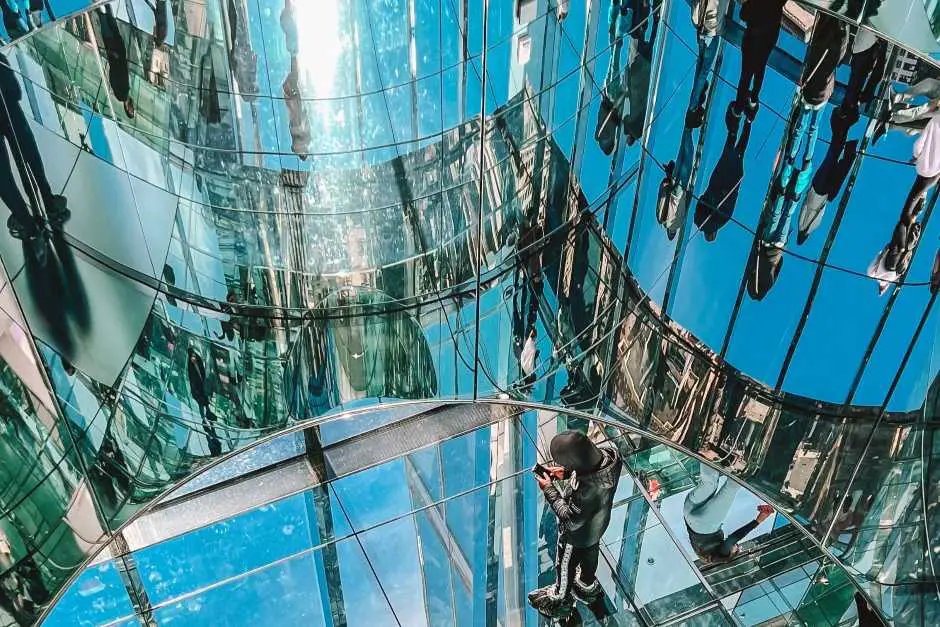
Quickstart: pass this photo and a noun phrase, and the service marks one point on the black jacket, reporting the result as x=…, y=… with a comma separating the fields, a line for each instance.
x=196, y=370
x=116, y=50
x=583, y=505
x=763, y=14
x=825, y=52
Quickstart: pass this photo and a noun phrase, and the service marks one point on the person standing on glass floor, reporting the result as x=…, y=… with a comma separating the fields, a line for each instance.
x=580, y=490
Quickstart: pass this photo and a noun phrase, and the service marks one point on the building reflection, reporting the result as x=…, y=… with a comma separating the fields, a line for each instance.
x=295, y=258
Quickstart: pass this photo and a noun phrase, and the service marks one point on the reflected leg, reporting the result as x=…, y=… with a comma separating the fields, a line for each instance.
x=586, y=587
x=616, y=19
x=749, y=48
x=707, y=50
x=921, y=186
x=862, y=65
x=809, y=150
x=778, y=223
x=208, y=420
x=25, y=225
x=29, y=162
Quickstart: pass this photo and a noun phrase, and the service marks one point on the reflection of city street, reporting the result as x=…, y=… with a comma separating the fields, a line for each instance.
x=296, y=293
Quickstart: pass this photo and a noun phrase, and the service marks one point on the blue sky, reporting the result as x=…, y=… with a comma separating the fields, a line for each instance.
x=845, y=313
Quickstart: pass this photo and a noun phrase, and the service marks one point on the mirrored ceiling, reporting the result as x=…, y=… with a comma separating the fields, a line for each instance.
x=708, y=222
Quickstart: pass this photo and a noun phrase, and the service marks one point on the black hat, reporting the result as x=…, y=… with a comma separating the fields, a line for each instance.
x=574, y=451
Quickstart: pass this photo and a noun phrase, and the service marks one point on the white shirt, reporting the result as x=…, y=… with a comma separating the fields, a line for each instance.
x=927, y=149
x=864, y=40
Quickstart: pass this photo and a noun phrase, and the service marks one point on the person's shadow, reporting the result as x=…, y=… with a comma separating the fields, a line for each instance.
x=716, y=206
x=57, y=290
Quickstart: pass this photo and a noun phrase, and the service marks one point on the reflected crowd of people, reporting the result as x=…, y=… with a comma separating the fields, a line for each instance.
x=847, y=73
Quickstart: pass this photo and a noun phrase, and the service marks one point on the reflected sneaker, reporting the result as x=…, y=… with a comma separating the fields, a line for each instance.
x=583, y=593
x=753, y=105
x=19, y=230
x=608, y=124
x=57, y=211
x=695, y=117
x=733, y=115
x=546, y=603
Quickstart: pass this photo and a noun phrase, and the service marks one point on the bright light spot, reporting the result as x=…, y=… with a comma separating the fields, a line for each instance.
x=320, y=43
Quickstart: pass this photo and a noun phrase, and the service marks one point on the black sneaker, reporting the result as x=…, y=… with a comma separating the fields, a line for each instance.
x=694, y=118
x=733, y=115
x=19, y=230
x=751, y=109
x=543, y=600
x=57, y=212
x=586, y=594
x=608, y=124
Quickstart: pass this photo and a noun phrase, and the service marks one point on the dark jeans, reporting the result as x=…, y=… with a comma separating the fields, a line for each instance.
x=756, y=47
x=571, y=562
x=868, y=68
x=208, y=424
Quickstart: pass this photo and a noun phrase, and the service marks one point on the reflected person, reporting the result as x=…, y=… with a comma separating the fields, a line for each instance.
x=19, y=138
x=20, y=16
x=118, y=69
x=620, y=27
x=196, y=371
x=817, y=82
x=927, y=167
x=716, y=206
x=705, y=509
x=587, y=475
x=297, y=116
x=869, y=64
x=708, y=17
x=763, y=19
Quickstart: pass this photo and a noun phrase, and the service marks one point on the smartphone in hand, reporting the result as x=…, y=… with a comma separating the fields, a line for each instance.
x=541, y=471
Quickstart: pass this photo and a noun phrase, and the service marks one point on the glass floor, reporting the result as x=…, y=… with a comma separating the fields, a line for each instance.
x=454, y=533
